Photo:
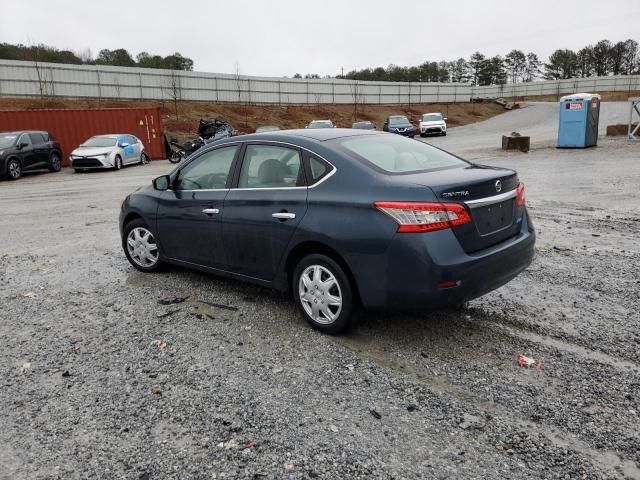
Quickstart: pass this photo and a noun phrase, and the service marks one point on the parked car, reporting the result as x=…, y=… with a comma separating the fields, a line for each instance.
x=267, y=128
x=363, y=125
x=26, y=151
x=433, y=123
x=320, y=124
x=399, y=124
x=343, y=220
x=108, y=151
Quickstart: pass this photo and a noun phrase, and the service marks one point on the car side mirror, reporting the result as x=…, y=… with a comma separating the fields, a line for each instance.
x=445, y=119
x=162, y=183
x=124, y=145
x=20, y=146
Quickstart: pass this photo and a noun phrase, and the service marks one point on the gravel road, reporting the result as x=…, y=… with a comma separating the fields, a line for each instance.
x=101, y=380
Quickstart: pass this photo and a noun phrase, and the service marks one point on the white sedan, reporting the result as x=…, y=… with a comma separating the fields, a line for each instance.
x=108, y=151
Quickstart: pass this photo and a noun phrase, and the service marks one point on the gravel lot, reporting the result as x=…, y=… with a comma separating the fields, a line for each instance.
x=100, y=380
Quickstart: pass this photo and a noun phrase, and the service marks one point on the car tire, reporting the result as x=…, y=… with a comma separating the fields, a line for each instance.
x=55, y=162
x=423, y=135
x=14, y=169
x=338, y=295
x=140, y=247
x=117, y=163
x=144, y=159
x=444, y=134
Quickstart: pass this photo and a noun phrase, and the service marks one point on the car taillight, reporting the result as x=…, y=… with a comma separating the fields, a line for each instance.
x=424, y=216
x=520, y=195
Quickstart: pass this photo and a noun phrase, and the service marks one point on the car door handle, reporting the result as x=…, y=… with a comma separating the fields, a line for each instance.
x=211, y=211
x=283, y=215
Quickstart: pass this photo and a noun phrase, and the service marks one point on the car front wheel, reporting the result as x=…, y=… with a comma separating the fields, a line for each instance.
x=323, y=294
x=140, y=247
x=118, y=163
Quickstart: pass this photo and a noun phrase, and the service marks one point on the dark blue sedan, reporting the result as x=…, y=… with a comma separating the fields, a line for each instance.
x=343, y=219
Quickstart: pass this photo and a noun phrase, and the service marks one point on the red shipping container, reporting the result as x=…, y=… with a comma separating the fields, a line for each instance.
x=72, y=127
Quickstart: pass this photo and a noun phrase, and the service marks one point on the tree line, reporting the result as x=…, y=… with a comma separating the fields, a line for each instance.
x=603, y=58
x=118, y=58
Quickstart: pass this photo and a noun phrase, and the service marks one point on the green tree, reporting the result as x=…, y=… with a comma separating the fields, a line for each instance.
x=563, y=63
x=476, y=65
x=533, y=68
x=178, y=62
x=602, y=58
x=515, y=64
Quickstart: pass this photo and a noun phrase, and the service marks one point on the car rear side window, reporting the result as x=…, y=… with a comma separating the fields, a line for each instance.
x=317, y=169
x=395, y=154
x=209, y=171
x=269, y=166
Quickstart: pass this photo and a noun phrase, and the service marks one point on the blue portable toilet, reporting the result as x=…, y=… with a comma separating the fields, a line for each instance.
x=578, y=125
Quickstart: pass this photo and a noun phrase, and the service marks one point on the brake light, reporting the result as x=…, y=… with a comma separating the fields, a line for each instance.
x=520, y=194
x=425, y=216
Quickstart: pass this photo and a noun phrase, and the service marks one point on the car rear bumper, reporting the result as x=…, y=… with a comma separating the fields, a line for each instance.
x=410, y=274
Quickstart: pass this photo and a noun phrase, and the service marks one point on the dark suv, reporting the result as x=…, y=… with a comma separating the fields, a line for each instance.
x=28, y=150
x=399, y=124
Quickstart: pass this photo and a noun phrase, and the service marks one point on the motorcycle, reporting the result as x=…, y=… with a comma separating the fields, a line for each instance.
x=180, y=151
x=208, y=131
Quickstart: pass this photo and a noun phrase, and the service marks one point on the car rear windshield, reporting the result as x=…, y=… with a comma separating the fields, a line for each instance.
x=7, y=140
x=396, y=154
x=100, y=142
x=431, y=117
x=398, y=121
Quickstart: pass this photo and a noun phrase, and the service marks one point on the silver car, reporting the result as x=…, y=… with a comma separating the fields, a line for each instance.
x=108, y=151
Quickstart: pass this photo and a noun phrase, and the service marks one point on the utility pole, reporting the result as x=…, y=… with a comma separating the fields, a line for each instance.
x=342, y=75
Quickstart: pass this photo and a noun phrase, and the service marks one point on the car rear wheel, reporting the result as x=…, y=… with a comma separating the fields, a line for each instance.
x=323, y=294
x=14, y=169
x=140, y=247
x=118, y=163
x=55, y=163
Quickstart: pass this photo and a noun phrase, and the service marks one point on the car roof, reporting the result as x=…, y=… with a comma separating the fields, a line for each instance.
x=20, y=132
x=320, y=134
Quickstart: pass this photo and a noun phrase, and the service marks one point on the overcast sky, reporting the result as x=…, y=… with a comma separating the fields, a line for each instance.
x=282, y=37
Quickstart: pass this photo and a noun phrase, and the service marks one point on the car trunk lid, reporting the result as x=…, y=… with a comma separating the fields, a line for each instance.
x=488, y=193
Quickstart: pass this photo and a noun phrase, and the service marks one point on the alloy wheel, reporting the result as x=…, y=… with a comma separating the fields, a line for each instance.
x=14, y=169
x=320, y=294
x=142, y=247
x=55, y=162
